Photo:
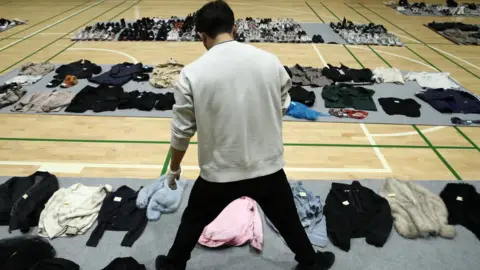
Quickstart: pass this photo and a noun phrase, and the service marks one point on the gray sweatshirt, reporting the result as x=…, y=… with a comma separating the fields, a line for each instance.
x=232, y=96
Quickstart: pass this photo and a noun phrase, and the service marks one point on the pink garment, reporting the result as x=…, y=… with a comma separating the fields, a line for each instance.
x=238, y=223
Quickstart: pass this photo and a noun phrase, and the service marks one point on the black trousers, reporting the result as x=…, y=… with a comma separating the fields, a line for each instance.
x=208, y=199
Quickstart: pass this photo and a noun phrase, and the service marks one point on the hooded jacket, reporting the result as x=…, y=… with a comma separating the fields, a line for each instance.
x=417, y=211
x=22, y=199
x=354, y=211
x=462, y=201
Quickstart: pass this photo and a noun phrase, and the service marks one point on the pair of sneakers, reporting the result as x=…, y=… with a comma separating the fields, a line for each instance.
x=323, y=261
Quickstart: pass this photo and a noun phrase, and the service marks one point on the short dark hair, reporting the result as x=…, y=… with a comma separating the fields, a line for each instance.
x=214, y=18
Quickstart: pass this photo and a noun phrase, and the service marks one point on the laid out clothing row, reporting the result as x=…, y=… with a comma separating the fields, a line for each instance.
x=355, y=211
x=451, y=8
x=460, y=33
x=6, y=24
x=109, y=98
x=35, y=253
x=365, y=34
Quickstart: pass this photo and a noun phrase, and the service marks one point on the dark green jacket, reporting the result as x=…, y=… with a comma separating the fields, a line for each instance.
x=347, y=96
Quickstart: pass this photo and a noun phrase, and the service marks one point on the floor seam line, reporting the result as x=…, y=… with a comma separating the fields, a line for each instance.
x=467, y=138
x=314, y=11
x=445, y=162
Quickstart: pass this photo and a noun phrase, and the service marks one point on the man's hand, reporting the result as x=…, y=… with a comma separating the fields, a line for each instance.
x=172, y=176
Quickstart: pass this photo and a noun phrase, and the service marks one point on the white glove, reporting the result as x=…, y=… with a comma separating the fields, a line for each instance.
x=172, y=176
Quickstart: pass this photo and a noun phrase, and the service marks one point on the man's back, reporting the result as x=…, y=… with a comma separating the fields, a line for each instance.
x=237, y=92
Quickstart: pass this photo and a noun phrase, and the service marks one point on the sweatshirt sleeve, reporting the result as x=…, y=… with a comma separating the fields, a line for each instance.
x=286, y=84
x=183, y=124
x=338, y=223
x=381, y=223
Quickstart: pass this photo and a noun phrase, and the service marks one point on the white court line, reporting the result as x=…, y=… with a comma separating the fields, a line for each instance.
x=106, y=50
x=378, y=153
x=407, y=133
x=48, y=26
x=292, y=169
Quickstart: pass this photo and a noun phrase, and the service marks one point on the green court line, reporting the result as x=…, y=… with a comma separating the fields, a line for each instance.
x=194, y=143
x=33, y=25
x=467, y=138
x=314, y=12
x=437, y=153
x=444, y=56
x=426, y=61
x=330, y=11
x=35, y=52
x=379, y=56
x=61, y=21
x=166, y=162
x=353, y=55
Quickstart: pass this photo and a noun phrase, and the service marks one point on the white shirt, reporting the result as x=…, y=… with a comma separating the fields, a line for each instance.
x=432, y=80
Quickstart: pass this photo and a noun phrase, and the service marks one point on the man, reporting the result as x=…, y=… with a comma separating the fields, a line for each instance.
x=232, y=97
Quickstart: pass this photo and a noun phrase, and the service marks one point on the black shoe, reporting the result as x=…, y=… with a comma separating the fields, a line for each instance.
x=161, y=263
x=323, y=261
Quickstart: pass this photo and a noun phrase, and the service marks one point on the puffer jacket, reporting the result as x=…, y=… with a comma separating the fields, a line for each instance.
x=417, y=212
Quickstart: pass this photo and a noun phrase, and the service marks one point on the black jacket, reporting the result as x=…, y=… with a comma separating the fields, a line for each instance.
x=119, y=212
x=127, y=263
x=98, y=99
x=299, y=94
x=23, y=252
x=81, y=69
x=450, y=101
x=119, y=74
x=354, y=211
x=348, y=96
x=346, y=74
x=463, y=202
x=55, y=264
x=22, y=199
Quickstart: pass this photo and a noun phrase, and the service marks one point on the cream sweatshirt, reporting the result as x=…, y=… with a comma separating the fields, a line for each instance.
x=232, y=97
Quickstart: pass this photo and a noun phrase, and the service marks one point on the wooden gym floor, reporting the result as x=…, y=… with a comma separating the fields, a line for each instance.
x=138, y=147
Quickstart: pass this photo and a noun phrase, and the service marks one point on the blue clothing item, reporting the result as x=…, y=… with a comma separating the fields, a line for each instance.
x=301, y=111
x=310, y=212
x=161, y=198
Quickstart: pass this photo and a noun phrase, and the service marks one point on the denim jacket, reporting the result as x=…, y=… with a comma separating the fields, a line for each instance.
x=310, y=212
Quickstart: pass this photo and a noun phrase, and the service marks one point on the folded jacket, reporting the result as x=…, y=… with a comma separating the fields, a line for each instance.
x=299, y=94
x=119, y=74
x=165, y=101
x=416, y=211
x=22, y=199
x=99, y=99
x=450, y=101
x=24, y=79
x=72, y=211
x=354, y=211
x=462, y=201
x=10, y=94
x=346, y=74
x=408, y=107
x=36, y=69
x=161, y=198
x=49, y=101
x=347, y=96
x=237, y=224
x=82, y=69
x=310, y=211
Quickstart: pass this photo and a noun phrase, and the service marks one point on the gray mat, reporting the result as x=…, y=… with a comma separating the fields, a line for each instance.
x=460, y=253
x=429, y=116
x=324, y=30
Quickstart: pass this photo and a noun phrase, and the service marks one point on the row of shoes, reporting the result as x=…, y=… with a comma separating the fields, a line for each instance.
x=6, y=24
x=268, y=30
x=370, y=28
x=365, y=34
x=317, y=39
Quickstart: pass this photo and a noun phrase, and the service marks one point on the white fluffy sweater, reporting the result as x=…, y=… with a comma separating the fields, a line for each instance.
x=416, y=211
